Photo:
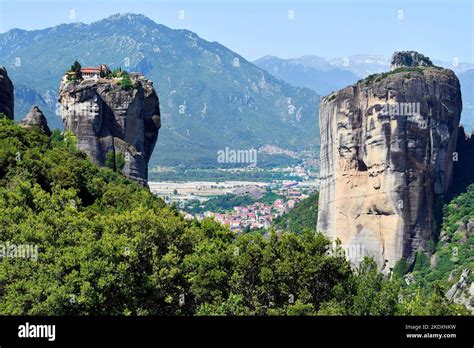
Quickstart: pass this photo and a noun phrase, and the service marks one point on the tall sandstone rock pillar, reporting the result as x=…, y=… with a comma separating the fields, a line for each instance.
x=387, y=146
x=110, y=121
x=6, y=94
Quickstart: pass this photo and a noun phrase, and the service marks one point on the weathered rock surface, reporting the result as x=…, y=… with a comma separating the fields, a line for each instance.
x=36, y=118
x=6, y=94
x=109, y=120
x=409, y=59
x=462, y=291
x=387, y=147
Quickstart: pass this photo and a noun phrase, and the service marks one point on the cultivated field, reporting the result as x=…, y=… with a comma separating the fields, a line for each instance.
x=198, y=189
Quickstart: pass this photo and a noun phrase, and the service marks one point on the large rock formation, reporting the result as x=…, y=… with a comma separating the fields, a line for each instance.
x=6, y=94
x=387, y=147
x=114, y=125
x=36, y=118
x=409, y=59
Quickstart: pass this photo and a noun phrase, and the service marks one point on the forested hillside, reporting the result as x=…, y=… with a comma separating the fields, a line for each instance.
x=303, y=217
x=108, y=246
x=210, y=96
x=453, y=253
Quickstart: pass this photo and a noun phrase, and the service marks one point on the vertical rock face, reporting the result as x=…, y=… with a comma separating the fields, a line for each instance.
x=387, y=147
x=6, y=94
x=36, y=118
x=112, y=122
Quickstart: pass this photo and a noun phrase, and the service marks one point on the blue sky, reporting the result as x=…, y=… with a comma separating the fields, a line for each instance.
x=254, y=28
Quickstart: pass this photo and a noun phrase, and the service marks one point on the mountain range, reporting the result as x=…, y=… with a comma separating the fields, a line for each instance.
x=309, y=71
x=210, y=97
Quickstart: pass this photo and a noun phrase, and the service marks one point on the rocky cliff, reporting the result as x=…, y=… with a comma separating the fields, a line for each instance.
x=387, y=149
x=114, y=124
x=6, y=94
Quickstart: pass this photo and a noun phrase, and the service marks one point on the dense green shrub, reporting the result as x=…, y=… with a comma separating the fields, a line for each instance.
x=107, y=246
x=303, y=216
x=126, y=83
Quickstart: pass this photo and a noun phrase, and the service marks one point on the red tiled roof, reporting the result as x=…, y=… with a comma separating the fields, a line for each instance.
x=90, y=70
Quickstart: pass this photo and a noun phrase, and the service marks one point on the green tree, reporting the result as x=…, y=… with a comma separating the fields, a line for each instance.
x=300, y=308
x=119, y=161
x=76, y=69
x=107, y=246
x=110, y=160
x=375, y=294
x=303, y=216
x=126, y=82
x=233, y=305
x=70, y=140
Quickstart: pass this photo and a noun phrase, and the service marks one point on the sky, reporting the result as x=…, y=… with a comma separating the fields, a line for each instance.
x=440, y=29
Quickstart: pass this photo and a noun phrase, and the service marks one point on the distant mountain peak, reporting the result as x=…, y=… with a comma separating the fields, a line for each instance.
x=308, y=71
x=212, y=97
x=127, y=17
x=268, y=57
x=312, y=60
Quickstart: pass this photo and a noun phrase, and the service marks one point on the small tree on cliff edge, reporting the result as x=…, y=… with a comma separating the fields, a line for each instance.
x=76, y=69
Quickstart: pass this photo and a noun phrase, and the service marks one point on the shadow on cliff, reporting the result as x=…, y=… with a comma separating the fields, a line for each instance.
x=463, y=176
x=463, y=168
